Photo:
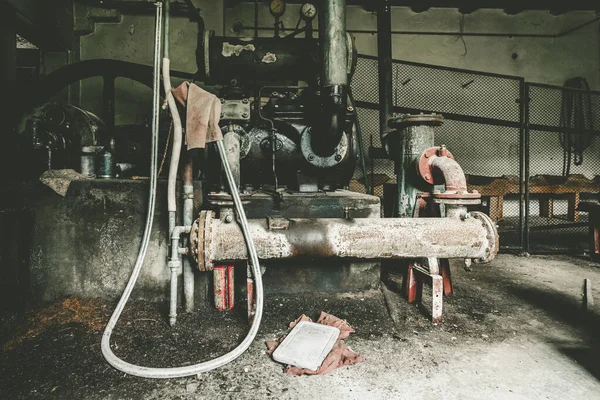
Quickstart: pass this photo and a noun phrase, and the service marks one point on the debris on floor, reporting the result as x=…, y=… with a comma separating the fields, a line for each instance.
x=307, y=345
x=339, y=355
x=67, y=311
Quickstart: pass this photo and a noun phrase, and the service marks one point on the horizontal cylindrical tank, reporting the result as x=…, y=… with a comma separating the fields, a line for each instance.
x=363, y=238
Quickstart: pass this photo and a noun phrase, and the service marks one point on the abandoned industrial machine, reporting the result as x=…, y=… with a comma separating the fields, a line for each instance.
x=282, y=145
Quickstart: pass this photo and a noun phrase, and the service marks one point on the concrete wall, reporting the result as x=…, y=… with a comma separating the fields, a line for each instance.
x=133, y=40
x=492, y=152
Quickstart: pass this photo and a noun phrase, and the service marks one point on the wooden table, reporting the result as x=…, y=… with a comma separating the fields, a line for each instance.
x=547, y=186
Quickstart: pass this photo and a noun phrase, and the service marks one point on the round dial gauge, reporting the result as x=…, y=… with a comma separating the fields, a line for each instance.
x=277, y=7
x=308, y=11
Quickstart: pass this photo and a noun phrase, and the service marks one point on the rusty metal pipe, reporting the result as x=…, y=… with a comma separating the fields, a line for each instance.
x=231, y=141
x=174, y=264
x=188, y=218
x=347, y=238
x=454, y=176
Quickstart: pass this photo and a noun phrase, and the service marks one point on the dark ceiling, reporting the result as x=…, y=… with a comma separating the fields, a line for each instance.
x=468, y=6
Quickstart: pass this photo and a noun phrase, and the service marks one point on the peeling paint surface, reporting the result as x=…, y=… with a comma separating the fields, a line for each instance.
x=231, y=49
x=269, y=58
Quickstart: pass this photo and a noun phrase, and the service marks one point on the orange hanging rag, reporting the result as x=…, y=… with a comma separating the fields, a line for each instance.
x=203, y=112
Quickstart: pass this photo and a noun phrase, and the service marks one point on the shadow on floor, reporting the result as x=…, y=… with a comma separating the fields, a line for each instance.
x=563, y=309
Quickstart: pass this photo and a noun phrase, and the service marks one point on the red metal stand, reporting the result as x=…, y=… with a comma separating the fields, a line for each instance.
x=251, y=300
x=223, y=287
x=435, y=272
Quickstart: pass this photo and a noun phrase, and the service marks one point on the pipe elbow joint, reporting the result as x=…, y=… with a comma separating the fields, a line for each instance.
x=332, y=121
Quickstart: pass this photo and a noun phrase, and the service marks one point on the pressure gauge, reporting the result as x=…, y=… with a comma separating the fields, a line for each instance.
x=277, y=8
x=308, y=11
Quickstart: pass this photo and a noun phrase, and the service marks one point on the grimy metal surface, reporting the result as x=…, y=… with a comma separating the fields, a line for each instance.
x=362, y=238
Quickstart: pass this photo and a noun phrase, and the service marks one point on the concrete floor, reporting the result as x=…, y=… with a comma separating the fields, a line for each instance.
x=514, y=330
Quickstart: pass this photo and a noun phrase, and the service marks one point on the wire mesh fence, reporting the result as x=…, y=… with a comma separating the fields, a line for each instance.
x=535, y=162
x=482, y=128
x=564, y=166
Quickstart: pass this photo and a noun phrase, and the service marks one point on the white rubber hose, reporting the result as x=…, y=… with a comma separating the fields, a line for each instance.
x=177, y=372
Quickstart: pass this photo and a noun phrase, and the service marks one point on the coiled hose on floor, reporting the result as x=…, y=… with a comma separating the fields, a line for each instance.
x=190, y=370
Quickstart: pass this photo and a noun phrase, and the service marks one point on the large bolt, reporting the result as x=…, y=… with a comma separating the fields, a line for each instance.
x=311, y=157
x=443, y=151
x=244, y=115
x=245, y=101
x=222, y=100
x=468, y=264
x=338, y=157
x=350, y=109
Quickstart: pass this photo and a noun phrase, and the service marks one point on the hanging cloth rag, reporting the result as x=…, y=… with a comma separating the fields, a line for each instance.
x=203, y=111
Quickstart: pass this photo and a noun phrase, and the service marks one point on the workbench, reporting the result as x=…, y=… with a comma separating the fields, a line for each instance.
x=547, y=187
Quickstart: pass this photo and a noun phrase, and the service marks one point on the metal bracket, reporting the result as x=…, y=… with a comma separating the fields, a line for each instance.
x=278, y=223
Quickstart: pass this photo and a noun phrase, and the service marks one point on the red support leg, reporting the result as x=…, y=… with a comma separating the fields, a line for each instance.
x=410, y=284
x=230, y=288
x=220, y=287
x=251, y=300
x=446, y=276
x=437, y=298
x=223, y=282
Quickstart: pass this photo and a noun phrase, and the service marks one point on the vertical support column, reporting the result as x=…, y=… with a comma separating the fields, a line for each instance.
x=526, y=172
x=384, y=55
x=386, y=97
x=188, y=219
x=523, y=119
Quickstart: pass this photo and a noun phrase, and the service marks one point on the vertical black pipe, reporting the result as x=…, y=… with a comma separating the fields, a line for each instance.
x=334, y=76
x=384, y=54
x=526, y=170
x=334, y=50
x=523, y=104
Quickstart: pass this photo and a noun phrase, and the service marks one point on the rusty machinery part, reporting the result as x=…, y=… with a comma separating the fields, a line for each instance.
x=216, y=241
x=198, y=235
x=339, y=154
x=438, y=162
x=492, y=237
x=224, y=199
x=407, y=120
x=245, y=141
